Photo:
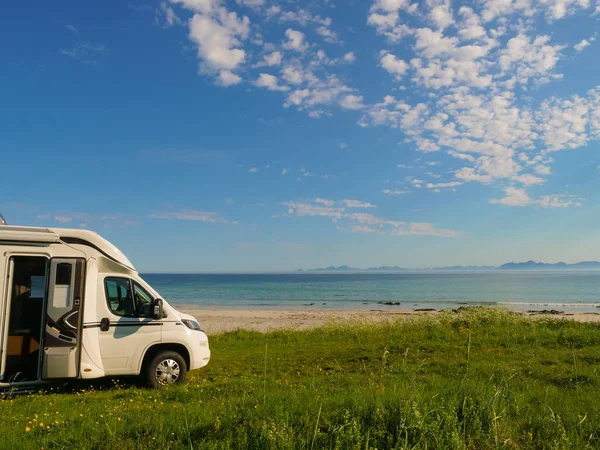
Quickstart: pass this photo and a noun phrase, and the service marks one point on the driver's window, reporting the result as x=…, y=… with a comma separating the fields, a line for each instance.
x=119, y=296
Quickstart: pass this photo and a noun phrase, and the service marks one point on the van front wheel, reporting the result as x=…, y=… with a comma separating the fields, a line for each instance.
x=164, y=369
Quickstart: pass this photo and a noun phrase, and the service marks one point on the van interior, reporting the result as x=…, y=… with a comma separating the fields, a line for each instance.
x=24, y=337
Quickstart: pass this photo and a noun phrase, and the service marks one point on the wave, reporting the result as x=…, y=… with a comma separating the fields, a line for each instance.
x=569, y=305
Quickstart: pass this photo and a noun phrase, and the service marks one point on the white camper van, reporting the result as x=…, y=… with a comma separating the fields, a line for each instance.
x=73, y=306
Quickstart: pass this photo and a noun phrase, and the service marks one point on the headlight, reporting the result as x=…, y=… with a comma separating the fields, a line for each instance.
x=191, y=324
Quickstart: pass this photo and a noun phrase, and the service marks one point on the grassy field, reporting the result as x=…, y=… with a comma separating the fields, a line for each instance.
x=479, y=379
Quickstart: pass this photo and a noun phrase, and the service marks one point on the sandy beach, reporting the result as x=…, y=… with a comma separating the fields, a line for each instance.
x=215, y=321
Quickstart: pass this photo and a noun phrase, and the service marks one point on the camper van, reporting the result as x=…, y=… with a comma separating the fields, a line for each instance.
x=73, y=306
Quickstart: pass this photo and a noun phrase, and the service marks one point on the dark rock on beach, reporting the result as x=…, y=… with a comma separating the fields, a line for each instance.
x=465, y=308
x=553, y=312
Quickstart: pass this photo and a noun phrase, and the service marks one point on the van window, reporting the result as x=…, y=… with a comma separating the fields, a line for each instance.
x=61, y=291
x=142, y=296
x=119, y=296
x=122, y=301
x=63, y=274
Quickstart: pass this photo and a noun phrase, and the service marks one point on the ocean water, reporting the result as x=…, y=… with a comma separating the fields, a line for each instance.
x=566, y=291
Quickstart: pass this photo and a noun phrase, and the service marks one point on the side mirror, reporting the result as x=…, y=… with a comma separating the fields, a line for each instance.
x=157, y=308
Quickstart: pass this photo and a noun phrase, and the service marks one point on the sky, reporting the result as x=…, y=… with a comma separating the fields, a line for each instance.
x=263, y=135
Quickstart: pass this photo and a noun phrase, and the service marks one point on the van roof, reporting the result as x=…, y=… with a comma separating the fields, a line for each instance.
x=40, y=235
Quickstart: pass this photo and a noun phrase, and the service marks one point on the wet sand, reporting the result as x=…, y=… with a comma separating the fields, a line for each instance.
x=215, y=321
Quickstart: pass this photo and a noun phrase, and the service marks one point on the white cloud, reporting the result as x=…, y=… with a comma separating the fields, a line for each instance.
x=83, y=218
x=301, y=16
x=441, y=16
x=308, y=209
x=324, y=201
x=284, y=171
x=87, y=52
x=293, y=75
x=352, y=102
x=560, y=8
x=270, y=82
x=563, y=122
x=343, y=146
x=228, y=78
x=357, y=204
x=385, y=16
x=272, y=59
x=581, y=45
x=329, y=35
x=527, y=179
x=468, y=174
x=350, y=57
x=360, y=229
x=415, y=182
x=364, y=222
x=518, y=197
x=169, y=15
x=392, y=64
x=460, y=86
x=557, y=201
x=528, y=59
x=449, y=184
x=193, y=215
x=317, y=92
x=295, y=41
x=306, y=75
x=251, y=3
x=219, y=37
x=394, y=192
x=542, y=170
x=489, y=129
x=513, y=197
x=200, y=6
x=253, y=170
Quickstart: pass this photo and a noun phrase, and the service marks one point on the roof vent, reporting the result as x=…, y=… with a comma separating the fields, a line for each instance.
x=2, y=221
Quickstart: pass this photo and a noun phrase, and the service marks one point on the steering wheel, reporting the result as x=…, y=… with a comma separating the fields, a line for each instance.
x=145, y=310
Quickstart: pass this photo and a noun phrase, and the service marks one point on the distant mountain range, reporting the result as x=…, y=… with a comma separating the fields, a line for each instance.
x=532, y=265
x=529, y=265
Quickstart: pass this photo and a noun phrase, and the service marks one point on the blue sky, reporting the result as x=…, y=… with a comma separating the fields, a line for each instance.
x=258, y=135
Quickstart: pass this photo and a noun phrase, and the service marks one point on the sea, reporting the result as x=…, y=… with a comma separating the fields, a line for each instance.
x=569, y=291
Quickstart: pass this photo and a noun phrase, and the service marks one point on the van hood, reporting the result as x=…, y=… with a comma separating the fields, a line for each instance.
x=187, y=317
x=182, y=316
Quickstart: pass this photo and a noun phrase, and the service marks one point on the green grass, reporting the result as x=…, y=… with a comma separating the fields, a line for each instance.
x=479, y=379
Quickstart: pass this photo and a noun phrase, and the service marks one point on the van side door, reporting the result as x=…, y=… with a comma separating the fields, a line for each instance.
x=64, y=314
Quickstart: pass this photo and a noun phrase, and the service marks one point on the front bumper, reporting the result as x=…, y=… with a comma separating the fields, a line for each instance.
x=201, y=353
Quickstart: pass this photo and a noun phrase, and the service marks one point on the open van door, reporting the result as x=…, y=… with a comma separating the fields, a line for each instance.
x=64, y=316
x=6, y=298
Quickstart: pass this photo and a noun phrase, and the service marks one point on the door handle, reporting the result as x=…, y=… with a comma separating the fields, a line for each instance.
x=105, y=324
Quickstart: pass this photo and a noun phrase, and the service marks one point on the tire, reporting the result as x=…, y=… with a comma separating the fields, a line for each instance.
x=164, y=369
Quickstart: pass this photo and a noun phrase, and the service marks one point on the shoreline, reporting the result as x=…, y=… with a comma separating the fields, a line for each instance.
x=215, y=321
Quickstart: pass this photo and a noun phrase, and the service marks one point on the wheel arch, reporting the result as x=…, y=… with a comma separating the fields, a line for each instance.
x=154, y=349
